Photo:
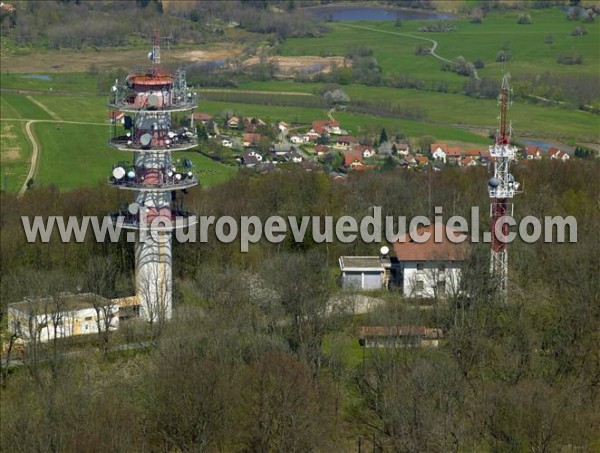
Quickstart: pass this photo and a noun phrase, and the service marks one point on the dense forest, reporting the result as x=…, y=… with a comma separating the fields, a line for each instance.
x=256, y=358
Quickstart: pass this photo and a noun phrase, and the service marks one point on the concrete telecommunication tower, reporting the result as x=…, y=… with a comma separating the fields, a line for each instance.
x=150, y=99
x=502, y=187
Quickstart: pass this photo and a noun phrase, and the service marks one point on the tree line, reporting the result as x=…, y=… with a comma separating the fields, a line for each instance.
x=259, y=358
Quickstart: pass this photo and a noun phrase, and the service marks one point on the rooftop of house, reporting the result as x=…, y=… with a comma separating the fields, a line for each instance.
x=435, y=146
x=407, y=249
x=401, y=331
x=472, y=153
x=346, y=139
x=351, y=156
x=453, y=151
x=363, y=263
x=61, y=302
x=201, y=116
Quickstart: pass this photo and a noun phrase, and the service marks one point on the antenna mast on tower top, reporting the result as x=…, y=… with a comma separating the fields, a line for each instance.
x=155, y=54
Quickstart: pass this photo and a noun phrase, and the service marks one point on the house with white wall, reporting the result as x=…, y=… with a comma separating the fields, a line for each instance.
x=429, y=264
x=61, y=316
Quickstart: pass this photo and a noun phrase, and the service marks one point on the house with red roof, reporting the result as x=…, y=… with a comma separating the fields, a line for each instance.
x=249, y=140
x=468, y=162
x=345, y=142
x=321, y=150
x=429, y=261
x=555, y=153
x=453, y=155
x=439, y=151
x=202, y=117
x=472, y=153
x=352, y=159
x=422, y=160
x=532, y=153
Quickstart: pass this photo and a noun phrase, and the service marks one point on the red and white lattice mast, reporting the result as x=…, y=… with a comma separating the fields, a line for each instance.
x=502, y=187
x=150, y=101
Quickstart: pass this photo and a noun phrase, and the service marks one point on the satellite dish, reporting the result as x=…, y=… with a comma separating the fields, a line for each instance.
x=128, y=134
x=150, y=56
x=153, y=100
x=145, y=139
x=190, y=174
x=169, y=174
x=384, y=250
x=133, y=208
x=493, y=182
x=171, y=134
x=178, y=176
x=114, y=88
x=131, y=174
x=118, y=172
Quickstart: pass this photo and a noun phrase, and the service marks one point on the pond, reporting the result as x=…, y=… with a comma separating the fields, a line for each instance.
x=544, y=144
x=372, y=13
x=37, y=76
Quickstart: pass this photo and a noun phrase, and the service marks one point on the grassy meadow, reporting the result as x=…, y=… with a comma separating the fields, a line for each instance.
x=15, y=152
x=396, y=54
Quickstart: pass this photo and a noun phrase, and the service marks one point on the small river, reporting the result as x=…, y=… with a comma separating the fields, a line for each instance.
x=373, y=13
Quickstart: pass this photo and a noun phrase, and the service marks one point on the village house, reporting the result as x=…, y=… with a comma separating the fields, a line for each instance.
x=422, y=160
x=325, y=128
x=250, y=140
x=453, y=155
x=555, y=153
x=283, y=127
x=279, y=150
x=233, y=122
x=364, y=272
x=321, y=150
x=352, y=159
x=293, y=156
x=439, y=151
x=402, y=149
x=429, y=268
x=345, y=142
x=472, y=153
x=297, y=139
x=66, y=315
x=201, y=117
x=468, y=162
x=251, y=158
x=532, y=153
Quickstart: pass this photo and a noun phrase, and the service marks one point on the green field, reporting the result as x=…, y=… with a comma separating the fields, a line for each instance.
x=531, y=55
x=17, y=106
x=71, y=155
x=449, y=108
x=70, y=107
x=75, y=155
x=15, y=153
x=80, y=82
